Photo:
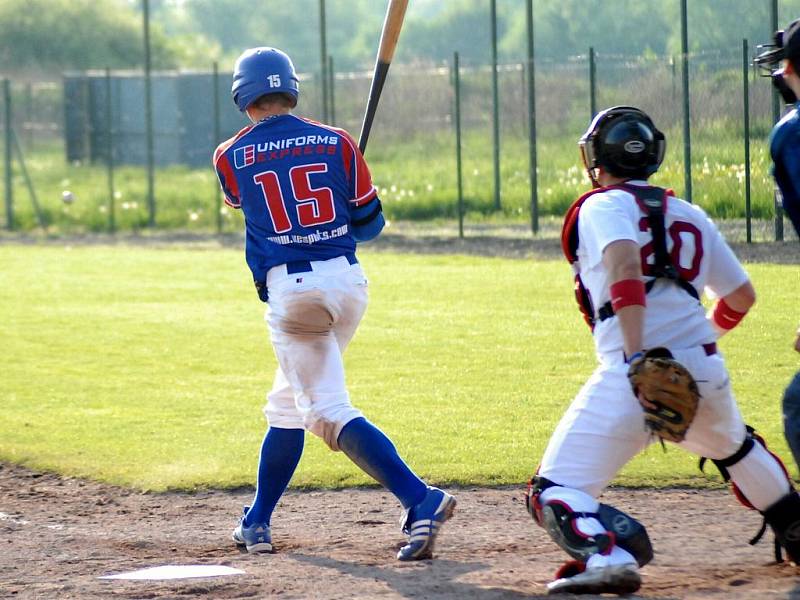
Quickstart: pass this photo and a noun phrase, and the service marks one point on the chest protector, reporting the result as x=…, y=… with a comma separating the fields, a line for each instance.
x=652, y=202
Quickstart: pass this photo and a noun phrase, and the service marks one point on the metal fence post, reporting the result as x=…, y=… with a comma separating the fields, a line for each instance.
x=776, y=102
x=495, y=107
x=532, y=122
x=331, y=94
x=28, y=181
x=217, y=135
x=148, y=117
x=687, y=132
x=592, y=85
x=8, y=165
x=29, y=116
x=323, y=66
x=776, y=115
x=457, y=123
x=112, y=225
x=746, y=107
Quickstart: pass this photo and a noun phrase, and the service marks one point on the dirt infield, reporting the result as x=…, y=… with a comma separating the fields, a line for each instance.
x=59, y=535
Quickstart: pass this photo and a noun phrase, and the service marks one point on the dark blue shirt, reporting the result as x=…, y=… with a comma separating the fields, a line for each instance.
x=785, y=150
x=297, y=182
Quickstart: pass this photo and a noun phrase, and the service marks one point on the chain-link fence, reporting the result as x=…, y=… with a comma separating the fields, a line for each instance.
x=78, y=147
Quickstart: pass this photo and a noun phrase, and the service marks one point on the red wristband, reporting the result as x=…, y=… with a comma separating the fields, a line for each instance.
x=725, y=317
x=627, y=293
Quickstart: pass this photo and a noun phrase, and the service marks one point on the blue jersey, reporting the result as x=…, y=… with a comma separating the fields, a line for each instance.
x=297, y=182
x=785, y=150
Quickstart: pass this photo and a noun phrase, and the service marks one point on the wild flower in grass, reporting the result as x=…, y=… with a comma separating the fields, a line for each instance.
x=429, y=187
x=125, y=205
x=117, y=194
x=393, y=188
x=193, y=216
x=102, y=208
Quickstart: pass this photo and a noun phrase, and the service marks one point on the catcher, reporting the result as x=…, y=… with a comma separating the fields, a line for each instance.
x=641, y=259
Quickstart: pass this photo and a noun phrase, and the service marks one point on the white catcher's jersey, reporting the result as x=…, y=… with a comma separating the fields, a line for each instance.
x=673, y=319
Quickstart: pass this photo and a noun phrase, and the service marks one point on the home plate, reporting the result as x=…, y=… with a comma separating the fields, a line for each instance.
x=176, y=572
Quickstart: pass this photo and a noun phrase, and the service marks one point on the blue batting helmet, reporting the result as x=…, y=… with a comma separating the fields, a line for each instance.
x=260, y=71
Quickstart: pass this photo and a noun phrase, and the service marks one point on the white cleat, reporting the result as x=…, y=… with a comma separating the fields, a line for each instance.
x=614, y=579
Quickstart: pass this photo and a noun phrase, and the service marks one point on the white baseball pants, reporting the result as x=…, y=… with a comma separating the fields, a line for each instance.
x=604, y=428
x=312, y=316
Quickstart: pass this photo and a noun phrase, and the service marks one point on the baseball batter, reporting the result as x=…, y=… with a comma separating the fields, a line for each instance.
x=308, y=198
x=781, y=61
x=641, y=259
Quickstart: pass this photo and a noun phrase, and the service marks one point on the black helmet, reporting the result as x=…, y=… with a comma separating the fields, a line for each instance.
x=786, y=46
x=625, y=142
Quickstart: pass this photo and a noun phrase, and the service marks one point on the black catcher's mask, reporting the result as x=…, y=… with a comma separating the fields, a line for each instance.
x=786, y=46
x=625, y=142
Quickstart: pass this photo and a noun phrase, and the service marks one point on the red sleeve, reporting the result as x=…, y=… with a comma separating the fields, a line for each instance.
x=227, y=180
x=360, y=179
x=225, y=174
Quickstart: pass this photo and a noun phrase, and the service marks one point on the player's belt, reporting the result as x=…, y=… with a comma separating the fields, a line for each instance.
x=710, y=349
x=304, y=266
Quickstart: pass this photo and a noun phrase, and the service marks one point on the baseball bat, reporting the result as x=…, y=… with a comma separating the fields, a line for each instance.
x=390, y=33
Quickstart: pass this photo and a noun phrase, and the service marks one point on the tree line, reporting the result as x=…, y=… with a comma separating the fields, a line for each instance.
x=47, y=37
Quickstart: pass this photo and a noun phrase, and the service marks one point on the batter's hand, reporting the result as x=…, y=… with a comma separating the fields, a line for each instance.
x=797, y=342
x=261, y=289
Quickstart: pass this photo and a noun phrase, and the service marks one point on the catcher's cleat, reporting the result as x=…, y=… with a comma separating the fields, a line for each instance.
x=256, y=537
x=421, y=523
x=613, y=579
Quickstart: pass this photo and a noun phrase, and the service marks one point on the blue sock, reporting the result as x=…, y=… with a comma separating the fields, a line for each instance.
x=280, y=453
x=370, y=449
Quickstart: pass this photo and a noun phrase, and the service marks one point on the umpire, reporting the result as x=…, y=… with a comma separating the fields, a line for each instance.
x=781, y=62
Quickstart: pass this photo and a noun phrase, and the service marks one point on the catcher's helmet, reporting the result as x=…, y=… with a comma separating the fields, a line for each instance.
x=786, y=46
x=624, y=141
x=260, y=71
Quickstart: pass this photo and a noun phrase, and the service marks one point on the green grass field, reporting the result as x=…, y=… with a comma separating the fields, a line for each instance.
x=149, y=367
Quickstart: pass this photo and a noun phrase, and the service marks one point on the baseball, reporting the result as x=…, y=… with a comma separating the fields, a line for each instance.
x=67, y=197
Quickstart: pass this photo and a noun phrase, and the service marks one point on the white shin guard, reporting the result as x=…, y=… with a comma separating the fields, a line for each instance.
x=760, y=477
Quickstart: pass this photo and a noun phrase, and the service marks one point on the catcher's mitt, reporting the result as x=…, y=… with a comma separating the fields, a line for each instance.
x=660, y=379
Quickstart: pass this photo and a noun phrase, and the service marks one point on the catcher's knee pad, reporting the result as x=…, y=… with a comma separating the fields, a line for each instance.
x=783, y=515
x=558, y=519
x=750, y=440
